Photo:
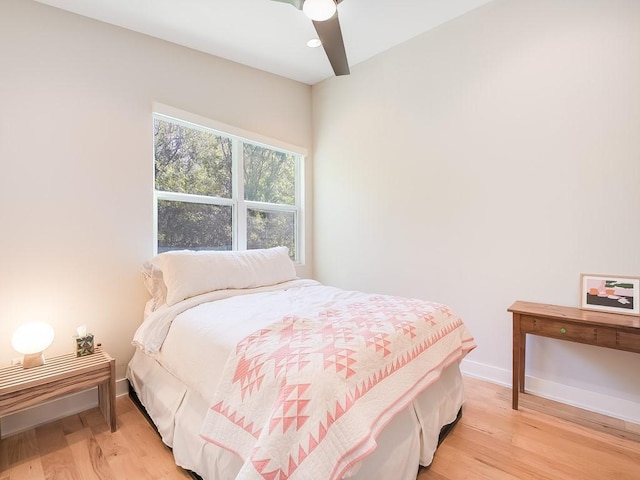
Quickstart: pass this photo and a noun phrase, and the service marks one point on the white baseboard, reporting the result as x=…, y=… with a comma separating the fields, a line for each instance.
x=588, y=400
x=55, y=409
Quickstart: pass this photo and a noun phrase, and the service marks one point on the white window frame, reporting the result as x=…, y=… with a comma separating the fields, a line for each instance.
x=237, y=201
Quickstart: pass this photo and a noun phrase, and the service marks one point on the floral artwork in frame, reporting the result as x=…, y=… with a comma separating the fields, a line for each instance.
x=610, y=293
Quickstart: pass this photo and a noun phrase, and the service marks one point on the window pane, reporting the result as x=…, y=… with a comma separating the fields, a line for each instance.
x=271, y=229
x=269, y=176
x=193, y=161
x=193, y=226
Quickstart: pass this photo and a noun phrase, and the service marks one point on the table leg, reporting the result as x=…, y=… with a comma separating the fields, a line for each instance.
x=112, y=396
x=516, y=361
x=107, y=398
x=523, y=348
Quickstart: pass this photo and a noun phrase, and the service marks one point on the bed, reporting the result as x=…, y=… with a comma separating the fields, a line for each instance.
x=249, y=372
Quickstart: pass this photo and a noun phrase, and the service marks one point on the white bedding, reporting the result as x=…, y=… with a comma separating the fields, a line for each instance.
x=154, y=329
x=182, y=352
x=215, y=327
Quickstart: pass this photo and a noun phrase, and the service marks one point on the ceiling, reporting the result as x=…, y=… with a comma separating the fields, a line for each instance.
x=271, y=35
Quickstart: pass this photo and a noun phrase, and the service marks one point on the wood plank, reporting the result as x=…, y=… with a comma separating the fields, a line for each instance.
x=87, y=454
x=539, y=441
x=630, y=322
x=543, y=440
x=36, y=394
x=19, y=455
x=144, y=440
x=593, y=421
x=29, y=470
x=17, y=378
x=119, y=452
x=56, y=457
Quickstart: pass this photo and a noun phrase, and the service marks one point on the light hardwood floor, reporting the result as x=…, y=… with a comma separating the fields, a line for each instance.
x=542, y=440
x=491, y=442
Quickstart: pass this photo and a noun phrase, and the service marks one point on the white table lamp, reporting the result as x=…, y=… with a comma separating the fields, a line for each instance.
x=31, y=339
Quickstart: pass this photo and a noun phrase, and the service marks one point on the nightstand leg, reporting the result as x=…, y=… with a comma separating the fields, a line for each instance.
x=107, y=398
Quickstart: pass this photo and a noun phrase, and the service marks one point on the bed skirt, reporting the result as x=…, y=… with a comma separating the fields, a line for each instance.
x=408, y=441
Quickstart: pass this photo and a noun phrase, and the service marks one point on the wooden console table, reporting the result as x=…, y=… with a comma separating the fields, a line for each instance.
x=23, y=388
x=609, y=330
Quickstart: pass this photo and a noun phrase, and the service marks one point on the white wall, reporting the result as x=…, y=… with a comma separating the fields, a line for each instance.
x=490, y=160
x=76, y=166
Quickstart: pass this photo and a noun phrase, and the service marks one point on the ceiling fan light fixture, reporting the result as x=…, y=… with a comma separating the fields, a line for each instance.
x=314, y=43
x=319, y=10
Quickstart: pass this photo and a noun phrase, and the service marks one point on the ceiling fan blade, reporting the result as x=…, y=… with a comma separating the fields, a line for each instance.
x=295, y=3
x=330, y=35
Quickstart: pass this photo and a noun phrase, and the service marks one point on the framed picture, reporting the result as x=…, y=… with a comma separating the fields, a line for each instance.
x=610, y=293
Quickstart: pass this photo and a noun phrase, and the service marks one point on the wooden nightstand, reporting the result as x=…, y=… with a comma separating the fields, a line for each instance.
x=20, y=388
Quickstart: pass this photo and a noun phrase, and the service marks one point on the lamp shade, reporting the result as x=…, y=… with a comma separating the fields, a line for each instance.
x=33, y=337
x=319, y=10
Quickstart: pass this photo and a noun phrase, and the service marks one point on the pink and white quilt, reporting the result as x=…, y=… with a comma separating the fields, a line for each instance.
x=306, y=397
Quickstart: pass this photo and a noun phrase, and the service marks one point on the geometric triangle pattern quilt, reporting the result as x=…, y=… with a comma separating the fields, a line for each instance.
x=306, y=397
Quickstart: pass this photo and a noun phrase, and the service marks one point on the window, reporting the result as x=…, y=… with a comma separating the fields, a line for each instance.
x=219, y=191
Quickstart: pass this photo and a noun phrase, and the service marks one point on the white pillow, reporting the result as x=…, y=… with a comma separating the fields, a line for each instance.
x=189, y=273
x=154, y=282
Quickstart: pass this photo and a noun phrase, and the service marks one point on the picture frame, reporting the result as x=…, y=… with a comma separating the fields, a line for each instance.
x=610, y=293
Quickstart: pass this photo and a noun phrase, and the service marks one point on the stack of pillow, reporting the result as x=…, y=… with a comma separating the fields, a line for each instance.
x=174, y=276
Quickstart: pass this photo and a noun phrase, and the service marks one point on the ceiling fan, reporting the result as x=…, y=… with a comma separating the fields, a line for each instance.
x=324, y=15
